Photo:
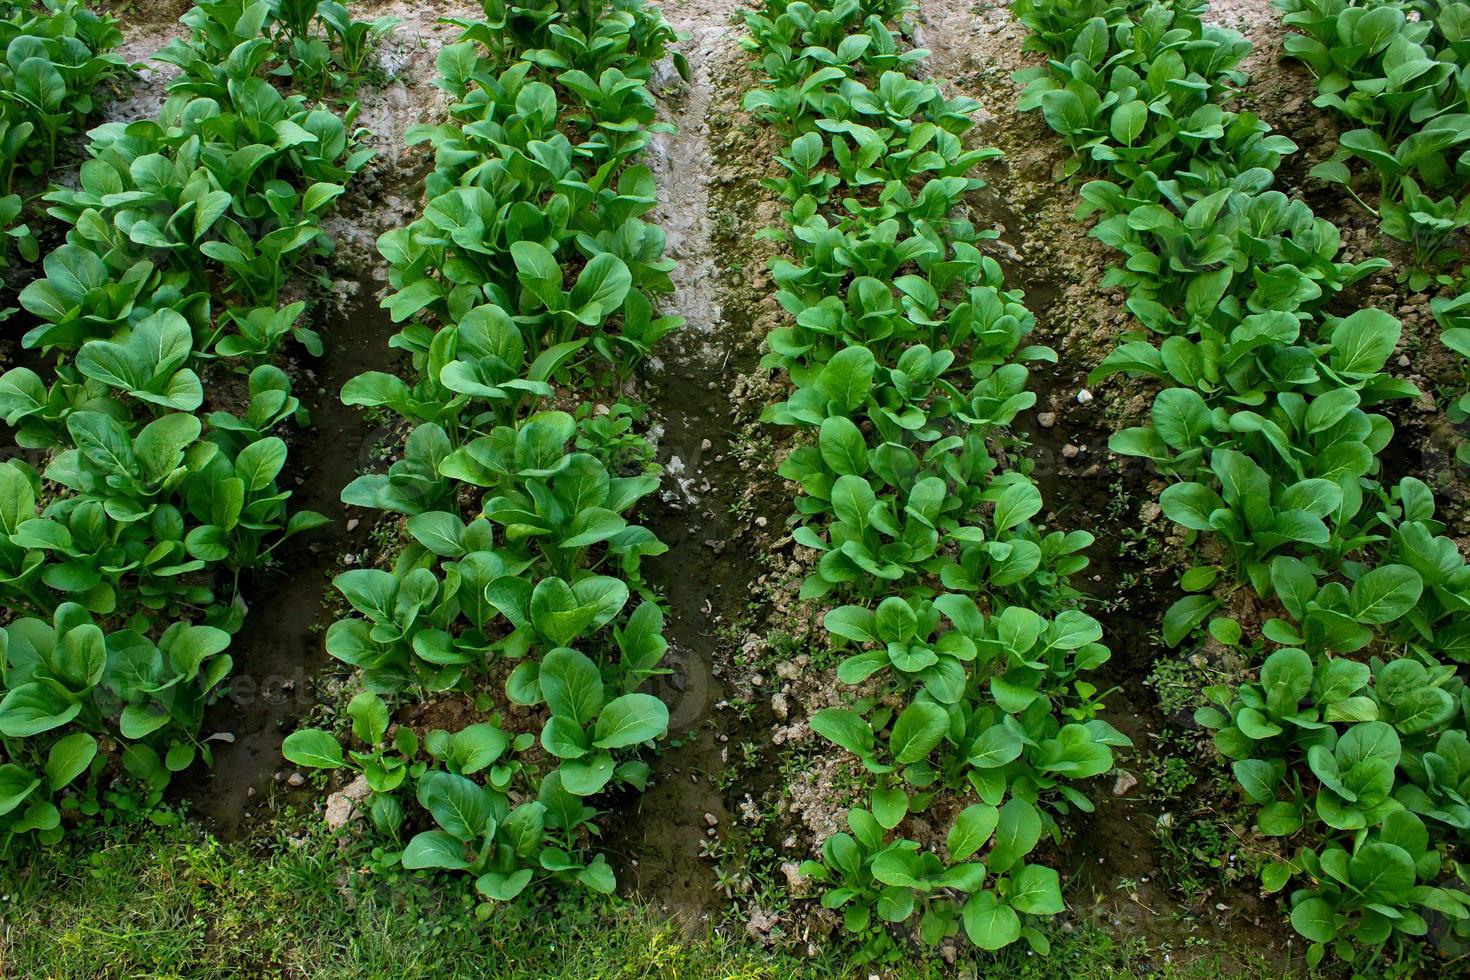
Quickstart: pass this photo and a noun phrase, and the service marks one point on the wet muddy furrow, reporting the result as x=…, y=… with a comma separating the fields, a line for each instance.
x=666, y=836
x=279, y=652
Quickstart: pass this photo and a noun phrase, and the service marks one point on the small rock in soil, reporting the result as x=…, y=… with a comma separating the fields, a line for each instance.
x=1046, y=419
x=1125, y=782
x=340, y=804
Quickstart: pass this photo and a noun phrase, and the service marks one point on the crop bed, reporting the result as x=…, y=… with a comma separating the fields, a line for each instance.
x=887, y=488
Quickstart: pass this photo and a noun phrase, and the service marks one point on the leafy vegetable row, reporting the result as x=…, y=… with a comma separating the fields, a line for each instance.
x=1351, y=741
x=1394, y=71
x=56, y=57
x=120, y=556
x=907, y=358
x=530, y=274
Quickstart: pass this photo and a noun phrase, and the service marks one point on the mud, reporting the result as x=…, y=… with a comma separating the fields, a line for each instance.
x=706, y=514
x=279, y=652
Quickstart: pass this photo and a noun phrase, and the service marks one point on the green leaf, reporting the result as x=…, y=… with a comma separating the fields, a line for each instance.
x=842, y=447
x=260, y=462
x=369, y=717
x=629, y=720
x=502, y=887
x=1036, y=890
x=36, y=707
x=1185, y=615
x=919, y=728
x=313, y=748
x=69, y=758
x=604, y=283
x=890, y=806
x=435, y=849
x=1385, y=594
x=571, y=685
x=1190, y=505
x=1016, y=834
x=845, y=728
x=457, y=804
x=538, y=272
x=1128, y=121
x=1314, y=919
x=989, y=923
x=1016, y=503
x=972, y=828
x=1363, y=342
x=16, y=784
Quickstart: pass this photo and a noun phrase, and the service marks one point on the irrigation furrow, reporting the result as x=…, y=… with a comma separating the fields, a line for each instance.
x=663, y=843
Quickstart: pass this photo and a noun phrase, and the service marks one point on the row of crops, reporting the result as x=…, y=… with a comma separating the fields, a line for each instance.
x=1266, y=421
x=154, y=498
x=1392, y=75
x=156, y=410
x=530, y=276
x=907, y=358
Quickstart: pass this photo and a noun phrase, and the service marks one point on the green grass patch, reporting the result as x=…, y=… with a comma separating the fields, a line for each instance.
x=176, y=903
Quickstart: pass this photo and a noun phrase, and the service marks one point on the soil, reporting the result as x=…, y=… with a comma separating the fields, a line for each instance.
x=279, y=651
x=660, y=839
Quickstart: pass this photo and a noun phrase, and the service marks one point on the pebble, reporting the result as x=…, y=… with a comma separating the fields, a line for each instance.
x=711, y=819
x=296, y=779
x=1046, y=419
x=1125, y=782
x=1069, y=451
x=706, y=445
x=352, y=525
x=1084, y=396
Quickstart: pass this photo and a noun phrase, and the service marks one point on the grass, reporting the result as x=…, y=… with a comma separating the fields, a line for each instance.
x=174, y=903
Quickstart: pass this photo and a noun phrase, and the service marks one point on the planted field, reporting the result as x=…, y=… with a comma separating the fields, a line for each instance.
x=896, y=488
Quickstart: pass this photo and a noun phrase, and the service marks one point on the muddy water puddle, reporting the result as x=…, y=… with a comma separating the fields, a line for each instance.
x=279, y=651
x=664, y=838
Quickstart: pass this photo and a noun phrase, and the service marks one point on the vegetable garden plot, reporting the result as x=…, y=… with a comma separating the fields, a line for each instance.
x=775, y=619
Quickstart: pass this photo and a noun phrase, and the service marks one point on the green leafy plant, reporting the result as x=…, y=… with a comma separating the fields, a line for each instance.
x=530, y=274
x=1267, y=426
